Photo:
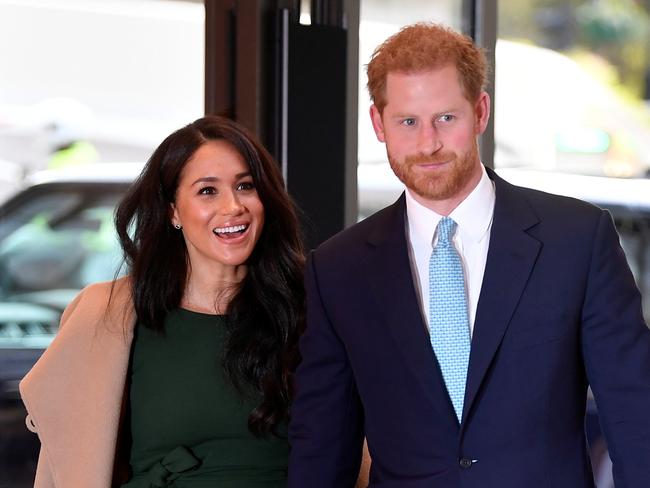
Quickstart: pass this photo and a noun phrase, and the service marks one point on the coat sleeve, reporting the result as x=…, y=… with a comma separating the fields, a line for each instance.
x=38, y=388
x=44, y=476
x=326, y=428
x=616, y=351
x=31, y=425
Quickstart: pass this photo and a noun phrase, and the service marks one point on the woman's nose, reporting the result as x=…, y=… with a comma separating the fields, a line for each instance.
x=231, y=204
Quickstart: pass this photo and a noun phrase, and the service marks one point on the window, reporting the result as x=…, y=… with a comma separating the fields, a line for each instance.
x=572, y=87
x=95, y=80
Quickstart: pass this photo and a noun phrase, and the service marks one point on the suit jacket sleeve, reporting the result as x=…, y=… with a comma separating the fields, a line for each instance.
x=326, y=428
x=616, y=351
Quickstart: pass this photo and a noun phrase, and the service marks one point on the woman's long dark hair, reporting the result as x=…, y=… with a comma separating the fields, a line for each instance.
x=266, y=314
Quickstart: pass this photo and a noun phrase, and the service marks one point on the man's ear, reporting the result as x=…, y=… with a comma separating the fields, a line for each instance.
x=482, y=113
x=377, y=123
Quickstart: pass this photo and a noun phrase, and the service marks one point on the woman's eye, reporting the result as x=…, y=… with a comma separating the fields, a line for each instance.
x=208, y=190
x=246, y=185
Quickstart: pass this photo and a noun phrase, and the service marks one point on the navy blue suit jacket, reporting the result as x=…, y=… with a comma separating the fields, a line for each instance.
x=558, y=311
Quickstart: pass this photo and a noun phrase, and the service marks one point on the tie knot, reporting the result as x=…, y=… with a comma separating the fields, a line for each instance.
x=446, y=229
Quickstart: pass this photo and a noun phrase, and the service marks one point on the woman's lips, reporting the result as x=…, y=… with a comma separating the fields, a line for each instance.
x=231, y=232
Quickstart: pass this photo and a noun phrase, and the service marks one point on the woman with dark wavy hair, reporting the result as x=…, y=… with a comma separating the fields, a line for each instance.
x=179, y=374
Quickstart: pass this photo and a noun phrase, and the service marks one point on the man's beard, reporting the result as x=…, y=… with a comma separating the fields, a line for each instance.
x=432, y=186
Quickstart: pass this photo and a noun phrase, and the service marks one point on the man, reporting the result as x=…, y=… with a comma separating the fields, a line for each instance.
x=459, y=328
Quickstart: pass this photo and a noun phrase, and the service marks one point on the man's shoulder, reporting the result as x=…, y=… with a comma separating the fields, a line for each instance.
x=546, y=204
x=356, y=237
x=541, y=194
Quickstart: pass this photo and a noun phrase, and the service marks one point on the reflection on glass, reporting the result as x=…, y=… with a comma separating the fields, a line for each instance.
x=95, y=80
x=56, y=243
x=572, y=87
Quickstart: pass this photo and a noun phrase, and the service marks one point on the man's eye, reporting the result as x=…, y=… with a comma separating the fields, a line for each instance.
x=246, y=185
x=408, y=122
x=446, y=118
x=208, y=190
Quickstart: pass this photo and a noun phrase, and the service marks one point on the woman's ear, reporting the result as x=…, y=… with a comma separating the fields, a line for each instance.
x=173, y=216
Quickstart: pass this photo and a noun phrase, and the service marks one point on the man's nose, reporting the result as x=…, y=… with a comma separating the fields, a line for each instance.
x=428, y=139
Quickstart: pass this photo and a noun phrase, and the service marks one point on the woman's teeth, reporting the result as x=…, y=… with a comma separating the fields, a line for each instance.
x=230, y=230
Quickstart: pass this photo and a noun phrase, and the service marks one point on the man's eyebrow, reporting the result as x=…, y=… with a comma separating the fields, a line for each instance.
x=408, y=115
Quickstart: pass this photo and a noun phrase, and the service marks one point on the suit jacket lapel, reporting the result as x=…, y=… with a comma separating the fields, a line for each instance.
x=391, y=281
x=512, y=253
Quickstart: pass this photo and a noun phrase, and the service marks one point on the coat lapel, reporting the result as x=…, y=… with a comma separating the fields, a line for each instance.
x=512, y=254
x=391, y=282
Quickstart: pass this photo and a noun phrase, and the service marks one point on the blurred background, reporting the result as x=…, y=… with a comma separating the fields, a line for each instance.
x=88, y=88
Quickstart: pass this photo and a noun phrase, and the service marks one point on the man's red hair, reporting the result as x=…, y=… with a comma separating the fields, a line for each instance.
x=422, y=47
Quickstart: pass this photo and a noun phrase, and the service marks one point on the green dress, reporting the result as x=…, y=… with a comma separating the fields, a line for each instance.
x=188, y=425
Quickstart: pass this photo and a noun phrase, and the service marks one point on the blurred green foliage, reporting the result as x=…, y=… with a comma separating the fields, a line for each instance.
x=616, y=30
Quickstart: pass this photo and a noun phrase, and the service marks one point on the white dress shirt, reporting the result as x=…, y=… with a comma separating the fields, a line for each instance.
x=474, y=220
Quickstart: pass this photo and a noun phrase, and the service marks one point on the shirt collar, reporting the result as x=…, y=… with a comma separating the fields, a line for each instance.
x=473, y=215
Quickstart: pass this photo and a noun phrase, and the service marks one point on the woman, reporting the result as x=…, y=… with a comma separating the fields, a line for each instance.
x=179, y=375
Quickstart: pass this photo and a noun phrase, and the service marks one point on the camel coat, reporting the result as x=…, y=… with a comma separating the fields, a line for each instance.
x=74, y=393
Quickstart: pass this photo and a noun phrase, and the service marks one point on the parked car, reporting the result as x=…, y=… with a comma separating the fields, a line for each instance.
x=56, y=236
x=11, y=178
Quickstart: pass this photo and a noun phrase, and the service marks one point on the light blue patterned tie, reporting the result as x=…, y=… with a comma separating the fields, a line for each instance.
x=448, y=318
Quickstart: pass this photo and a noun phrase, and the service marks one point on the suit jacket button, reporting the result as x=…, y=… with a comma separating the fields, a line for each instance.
x=465, y=463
